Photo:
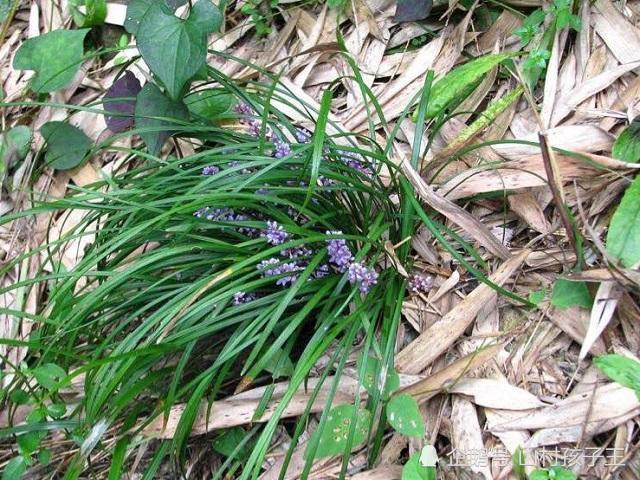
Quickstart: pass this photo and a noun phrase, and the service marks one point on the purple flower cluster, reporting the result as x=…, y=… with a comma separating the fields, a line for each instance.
x=356, y=161
x=243, y=109
x=419, y=282
x=219, y=214
x=339, y=254
x=303, y=135
x=363, y=276
x=255, y=126
x=281, y=148
x=322, y=271
x=242, y=297
x=296, y=252
x=274, y=233
x=274, y=267
x=210, y=170
x=226, y=215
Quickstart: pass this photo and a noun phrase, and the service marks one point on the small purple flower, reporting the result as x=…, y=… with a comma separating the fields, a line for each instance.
x=339, y=254
x=243, y=108
x=303, y=135
x=364, y=277
x=210, y=170
x=282, y=148
x=291, y=268
x=419, y=282
x=296, y=252
x=274, y=233
x=255, y=126
x=263, y=191
x=321, y=272
x=272, y=267
x=242, y=297
x=356, y=161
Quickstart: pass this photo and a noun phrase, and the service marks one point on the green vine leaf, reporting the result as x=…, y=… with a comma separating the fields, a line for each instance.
x=15, y=468
x=175, y=49
x=14, y=146
x=137, y=9
x=413, y=470
x=154, y=115
x=553, y=473
x=627, y=145
x=567, y=294
x=623, y=238
x=210, y=103
x=620, y=369
x=67, y=146
x=337, y=428
x=55, y=57
x=404, y=415
x=94, y=12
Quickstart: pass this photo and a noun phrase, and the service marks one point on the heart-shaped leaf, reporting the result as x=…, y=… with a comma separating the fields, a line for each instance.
x=209, y=103
x=623, y=239
x=176, y=49
x=14, y=145
x=136, y=9
x=126, y=88
x=414, y=470
x=55, y=56
x=627, y=145
x=337, y=428
x=154, y=115
x=567, y=294
x=412, y=10
x=67, y=146
x=404, y=415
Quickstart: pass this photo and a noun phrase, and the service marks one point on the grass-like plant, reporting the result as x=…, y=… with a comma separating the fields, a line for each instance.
x=239, y=265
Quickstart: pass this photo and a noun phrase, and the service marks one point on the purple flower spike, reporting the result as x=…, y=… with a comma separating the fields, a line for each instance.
x=296, y=252
x=339, y=254
x=210, y=170
x=255, y=126
x=321, y=272
x=303, y=135
x=275, y=233
x=273, y=267
x=363, y=276
x=419, y=282
x=243, y=109
x=241, y=297
x=282, y=149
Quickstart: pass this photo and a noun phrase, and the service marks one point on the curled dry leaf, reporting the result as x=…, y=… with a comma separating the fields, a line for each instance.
x=490, y=393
